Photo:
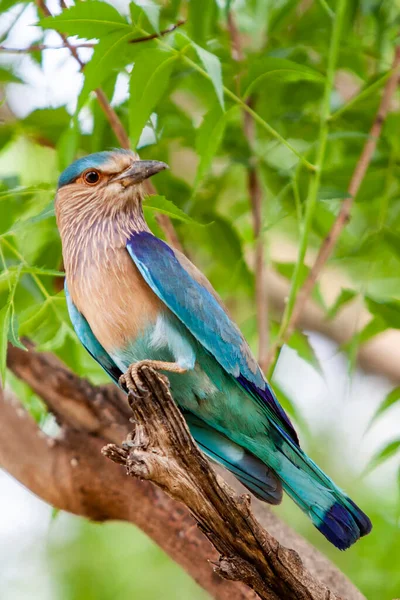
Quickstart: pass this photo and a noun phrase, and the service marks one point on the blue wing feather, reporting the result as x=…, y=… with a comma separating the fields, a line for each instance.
x=249, y=469
x=205, y=318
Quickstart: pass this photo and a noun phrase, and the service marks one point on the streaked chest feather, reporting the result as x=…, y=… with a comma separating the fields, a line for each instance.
x=112, y=295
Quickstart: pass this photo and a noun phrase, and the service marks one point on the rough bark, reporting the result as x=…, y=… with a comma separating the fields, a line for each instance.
x=160, y=449
x=71, y=473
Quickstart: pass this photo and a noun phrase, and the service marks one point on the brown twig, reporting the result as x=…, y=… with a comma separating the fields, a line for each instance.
x=161, y=450
x=256, y=197
x=343, y=217
x=116, y=124
x=42, y=47
x=153, y=36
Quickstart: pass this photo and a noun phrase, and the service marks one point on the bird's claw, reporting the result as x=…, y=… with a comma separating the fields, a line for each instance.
x=133, y=382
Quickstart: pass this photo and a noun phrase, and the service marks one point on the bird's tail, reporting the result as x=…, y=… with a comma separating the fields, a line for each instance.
x=330, y=510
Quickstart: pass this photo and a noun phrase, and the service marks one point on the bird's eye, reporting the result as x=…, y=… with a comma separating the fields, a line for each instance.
x=91, y=177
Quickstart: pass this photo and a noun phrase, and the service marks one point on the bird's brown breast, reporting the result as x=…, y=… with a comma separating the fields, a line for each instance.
x=114, y=298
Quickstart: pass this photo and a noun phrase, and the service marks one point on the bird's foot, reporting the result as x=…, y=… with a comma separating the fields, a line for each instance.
x=133, y=381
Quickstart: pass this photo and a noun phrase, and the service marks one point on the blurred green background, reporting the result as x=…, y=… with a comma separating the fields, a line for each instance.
x=187, y=118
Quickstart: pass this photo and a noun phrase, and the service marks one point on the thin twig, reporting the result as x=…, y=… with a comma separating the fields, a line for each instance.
x=153, y=36
x=113, y=119
x=42, y=47
x=343, y=217
x=314, y=184
x=118, y=128
x=256, y=197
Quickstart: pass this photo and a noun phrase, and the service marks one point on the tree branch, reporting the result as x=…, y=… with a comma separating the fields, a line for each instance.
x=42, y=47
x=256, y=196
x=343, y=217
x=161, y=450
x=71, y=474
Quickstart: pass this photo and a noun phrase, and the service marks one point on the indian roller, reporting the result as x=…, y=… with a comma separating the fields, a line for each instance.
x=134, y=300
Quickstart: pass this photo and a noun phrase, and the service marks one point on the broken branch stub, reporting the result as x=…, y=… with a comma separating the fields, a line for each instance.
x=161, y=449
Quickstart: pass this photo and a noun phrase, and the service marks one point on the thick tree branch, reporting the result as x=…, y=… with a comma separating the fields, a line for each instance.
x=161, y=450
x=343, y=217
x=73, y=476
x=256, y=196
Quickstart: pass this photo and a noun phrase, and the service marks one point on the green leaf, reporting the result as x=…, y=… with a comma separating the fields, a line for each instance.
x=55, y=512
x=208, y=138
x=45, y=272
x=371, y=329
x=151, y=220
x=67, y=145
x=299, y=342
x=6, y=76
x=278, y=67
x=383, y=455
x=149, y=80
x=279, y=14
x=56, y=341
x=346, y=295
x=13, y=330
x=166, y=207
x=87, y=20
x=388, y=311
x=152, y=12
x=332, y=193
x=391, y=398
x=5, y=315
x=212, y=65
x=392, y=238
x=48, y=123
x=286, y=269
x=107, y=57
x=201, y=17
x=46, y=213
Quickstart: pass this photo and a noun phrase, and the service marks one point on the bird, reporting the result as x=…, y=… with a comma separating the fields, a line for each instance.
x=134, y=300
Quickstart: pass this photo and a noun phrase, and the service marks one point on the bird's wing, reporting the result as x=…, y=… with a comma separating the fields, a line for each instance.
x=89, y=341
x=249, y=469
x=189, y=295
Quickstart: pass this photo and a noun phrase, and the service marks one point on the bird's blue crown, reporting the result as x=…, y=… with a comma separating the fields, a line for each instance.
x=95, y=160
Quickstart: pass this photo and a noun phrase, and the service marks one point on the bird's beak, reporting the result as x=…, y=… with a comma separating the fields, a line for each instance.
x=139, y=171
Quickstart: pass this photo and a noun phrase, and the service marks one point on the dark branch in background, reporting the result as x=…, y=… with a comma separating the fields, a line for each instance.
x=343, y=217
x=256, y=197
x=163, y=220
x=71, y=474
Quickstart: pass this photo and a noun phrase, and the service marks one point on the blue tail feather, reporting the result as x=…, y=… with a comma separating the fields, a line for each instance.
x=332, y=512
x=249, y=469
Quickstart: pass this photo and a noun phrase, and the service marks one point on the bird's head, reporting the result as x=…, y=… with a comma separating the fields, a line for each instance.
x=105, y=182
